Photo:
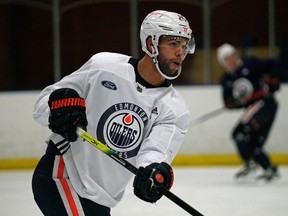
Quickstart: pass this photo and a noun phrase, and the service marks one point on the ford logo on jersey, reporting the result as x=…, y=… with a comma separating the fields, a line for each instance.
x=109, y=85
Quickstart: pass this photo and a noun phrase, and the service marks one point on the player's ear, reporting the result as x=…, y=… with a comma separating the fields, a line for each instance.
x=150, y=45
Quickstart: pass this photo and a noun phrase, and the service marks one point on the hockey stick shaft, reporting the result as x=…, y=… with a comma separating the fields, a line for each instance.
x=105, y=149
x=207, y=116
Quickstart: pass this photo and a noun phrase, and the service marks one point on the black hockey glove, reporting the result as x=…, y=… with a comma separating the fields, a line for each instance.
x=67, y=112
x=233, y=104
x=149, y=181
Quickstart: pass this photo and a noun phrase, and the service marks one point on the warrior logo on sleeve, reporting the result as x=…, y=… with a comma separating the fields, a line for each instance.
x=121, y=128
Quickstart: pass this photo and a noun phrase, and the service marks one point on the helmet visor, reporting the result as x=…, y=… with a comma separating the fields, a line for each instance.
x=188, y=48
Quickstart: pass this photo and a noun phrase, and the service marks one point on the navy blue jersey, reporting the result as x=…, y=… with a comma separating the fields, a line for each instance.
x=252, y=80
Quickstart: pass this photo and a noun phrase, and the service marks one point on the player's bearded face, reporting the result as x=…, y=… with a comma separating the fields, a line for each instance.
x=172, y=51
x=165, y=66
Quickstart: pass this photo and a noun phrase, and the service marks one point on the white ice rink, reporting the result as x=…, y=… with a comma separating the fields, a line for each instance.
x=210, y=190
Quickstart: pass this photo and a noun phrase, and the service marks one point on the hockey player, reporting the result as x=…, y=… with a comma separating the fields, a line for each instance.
x=250, y=83
x=126, y=103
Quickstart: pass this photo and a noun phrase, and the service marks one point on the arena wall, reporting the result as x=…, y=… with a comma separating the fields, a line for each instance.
x=22, y=141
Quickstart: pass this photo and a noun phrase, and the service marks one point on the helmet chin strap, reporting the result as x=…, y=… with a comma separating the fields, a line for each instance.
x=164, y=75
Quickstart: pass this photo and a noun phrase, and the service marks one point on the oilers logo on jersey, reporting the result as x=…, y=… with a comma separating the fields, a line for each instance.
x=121, y=128
x=242, y=88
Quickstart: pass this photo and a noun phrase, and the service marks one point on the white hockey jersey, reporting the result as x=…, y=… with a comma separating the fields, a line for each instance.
x=142, y=123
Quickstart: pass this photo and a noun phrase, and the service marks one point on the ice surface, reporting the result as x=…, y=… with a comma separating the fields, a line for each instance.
x=213, y=191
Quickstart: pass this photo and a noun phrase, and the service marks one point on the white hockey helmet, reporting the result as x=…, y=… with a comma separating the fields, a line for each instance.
x=159, y=23
x=224, y=51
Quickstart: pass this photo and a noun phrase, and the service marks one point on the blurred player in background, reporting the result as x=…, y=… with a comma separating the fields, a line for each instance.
x=250, y=84
x=128, y=104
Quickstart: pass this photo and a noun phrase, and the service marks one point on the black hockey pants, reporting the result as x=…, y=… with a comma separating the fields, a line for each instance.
x=53, y=192
x=252, y=131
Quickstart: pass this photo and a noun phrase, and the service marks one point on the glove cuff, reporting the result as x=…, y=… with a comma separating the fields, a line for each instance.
x=67, y=102
x=65, y=98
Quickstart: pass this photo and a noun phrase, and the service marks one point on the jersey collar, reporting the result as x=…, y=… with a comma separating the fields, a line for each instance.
x=139, y=79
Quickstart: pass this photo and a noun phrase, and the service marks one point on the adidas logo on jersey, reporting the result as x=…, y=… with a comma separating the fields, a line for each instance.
x=155, y=111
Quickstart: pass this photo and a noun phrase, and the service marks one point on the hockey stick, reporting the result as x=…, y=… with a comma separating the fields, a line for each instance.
x=105, y=149
x=207, y=116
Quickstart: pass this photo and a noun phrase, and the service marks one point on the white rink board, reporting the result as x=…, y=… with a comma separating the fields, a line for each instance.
x=214, y=135
x=21, y=137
